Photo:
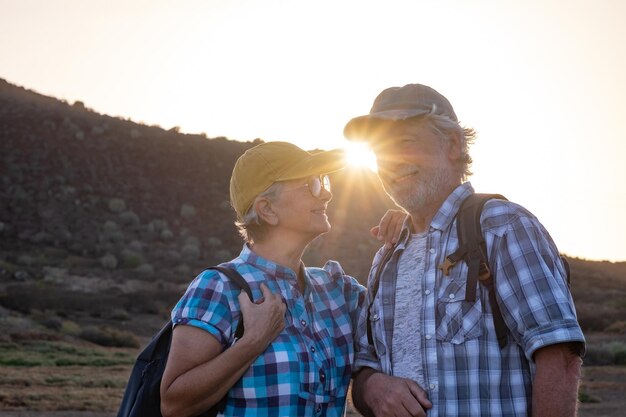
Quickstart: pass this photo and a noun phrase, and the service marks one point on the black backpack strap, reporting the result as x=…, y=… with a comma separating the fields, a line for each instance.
x=374, y=290
x=160, y=343
x=473, y=250
x=241, y=283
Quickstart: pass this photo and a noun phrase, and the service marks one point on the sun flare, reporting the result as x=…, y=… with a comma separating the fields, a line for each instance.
x=359, y=155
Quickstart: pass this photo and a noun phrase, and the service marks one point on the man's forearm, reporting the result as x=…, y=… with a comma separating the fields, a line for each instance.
x=358, y=397
x=555, y=387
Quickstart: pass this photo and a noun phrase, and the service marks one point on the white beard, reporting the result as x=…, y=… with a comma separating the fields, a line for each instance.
x=414, y=196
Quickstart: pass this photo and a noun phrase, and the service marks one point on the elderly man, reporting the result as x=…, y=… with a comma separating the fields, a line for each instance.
x=430, y=351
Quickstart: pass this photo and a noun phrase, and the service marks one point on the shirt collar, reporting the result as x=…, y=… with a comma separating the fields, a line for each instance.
x=450, y=207
x=270, y=268
x=444, y=216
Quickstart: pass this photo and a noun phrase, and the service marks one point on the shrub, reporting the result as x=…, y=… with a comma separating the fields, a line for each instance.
x=184, y=270
x=171, y=256
x=190, y=252
x=225, y=205
x=166, y=235
x=117, y=205
x=26, y=260
x=110, y=226
x=583, y=397
x=118, y=314
x=135, y=245
x=19, y=362
x=222, y=255
x=598, y=356
x=108, y=336
x=145, y=270
x=611, y=353
x=131, y=259
x=187, y=211
x=52, y=323
x=70, y=328
x=618, y=351
x=25, y=298
x=7, y=266
x=192, y=240
x=129, y=218
x=108, y=261
x=617, y=327
x=158, y=225
x=214, y=242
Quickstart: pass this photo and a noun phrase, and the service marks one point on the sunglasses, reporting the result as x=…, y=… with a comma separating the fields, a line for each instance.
x=315, y=185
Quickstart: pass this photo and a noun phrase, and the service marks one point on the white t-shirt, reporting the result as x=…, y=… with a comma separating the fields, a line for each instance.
x=406, y=360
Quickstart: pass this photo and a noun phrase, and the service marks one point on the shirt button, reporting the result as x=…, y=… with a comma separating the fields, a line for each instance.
x=303, y=322
x=428, y=337
x=322, y=375
x=427, y=292
x=318, y=409
x=451, y=296
x=375, y=317
x=431, y=250
x=432, y=386
x=313, y=349
x=386, y=300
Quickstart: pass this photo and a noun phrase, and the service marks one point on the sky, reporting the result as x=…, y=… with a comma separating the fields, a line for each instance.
x=542, y=81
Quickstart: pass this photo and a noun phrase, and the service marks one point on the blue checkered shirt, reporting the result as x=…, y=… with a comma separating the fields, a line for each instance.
x=466, y=372
x=306, y=369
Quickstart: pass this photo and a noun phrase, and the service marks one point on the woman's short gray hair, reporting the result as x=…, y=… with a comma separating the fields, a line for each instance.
x=252, y=227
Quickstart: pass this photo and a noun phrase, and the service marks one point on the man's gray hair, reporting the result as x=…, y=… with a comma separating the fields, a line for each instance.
x=445, y=127
x=252, y=227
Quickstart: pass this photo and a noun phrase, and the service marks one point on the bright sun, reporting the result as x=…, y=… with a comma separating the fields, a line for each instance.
x=359, y=155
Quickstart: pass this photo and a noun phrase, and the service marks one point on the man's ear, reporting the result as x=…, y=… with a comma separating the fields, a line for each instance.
x=455, y=147
x=265, y=211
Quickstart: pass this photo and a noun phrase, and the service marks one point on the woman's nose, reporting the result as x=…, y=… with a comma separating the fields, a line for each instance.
x=326, y=195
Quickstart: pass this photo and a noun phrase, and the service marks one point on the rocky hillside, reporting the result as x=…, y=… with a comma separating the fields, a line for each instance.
x=104, y=221
x=102, y=216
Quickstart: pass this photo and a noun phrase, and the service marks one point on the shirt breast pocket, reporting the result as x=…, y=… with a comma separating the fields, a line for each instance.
x=457, y=320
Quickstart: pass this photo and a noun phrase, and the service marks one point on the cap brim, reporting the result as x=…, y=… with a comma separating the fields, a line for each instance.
x=323, y=162
x=372, y=126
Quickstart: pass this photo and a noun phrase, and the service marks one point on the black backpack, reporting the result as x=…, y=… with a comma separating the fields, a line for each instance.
x=142, y=396
x=473, y=250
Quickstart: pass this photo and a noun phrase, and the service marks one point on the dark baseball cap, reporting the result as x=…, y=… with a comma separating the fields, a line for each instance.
x=398, y=104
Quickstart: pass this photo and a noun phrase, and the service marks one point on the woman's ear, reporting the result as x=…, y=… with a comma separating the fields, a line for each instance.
x=264, y=209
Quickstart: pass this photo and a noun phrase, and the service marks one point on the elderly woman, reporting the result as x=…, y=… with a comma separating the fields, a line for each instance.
x=295, y=357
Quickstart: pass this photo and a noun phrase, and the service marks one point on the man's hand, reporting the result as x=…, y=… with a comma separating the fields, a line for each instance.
x=380, y=395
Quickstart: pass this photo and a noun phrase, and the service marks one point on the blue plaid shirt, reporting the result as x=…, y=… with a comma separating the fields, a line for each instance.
x=466, y=372
x=306, y=369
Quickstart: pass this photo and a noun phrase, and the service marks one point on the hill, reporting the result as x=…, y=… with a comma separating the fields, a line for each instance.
x=104, y=220
x=102, y=217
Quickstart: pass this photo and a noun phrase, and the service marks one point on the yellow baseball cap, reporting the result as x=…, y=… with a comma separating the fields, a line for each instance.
x=263, y=165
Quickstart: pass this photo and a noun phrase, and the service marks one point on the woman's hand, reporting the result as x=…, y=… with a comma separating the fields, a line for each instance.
x=388, y=230
x=263, y=320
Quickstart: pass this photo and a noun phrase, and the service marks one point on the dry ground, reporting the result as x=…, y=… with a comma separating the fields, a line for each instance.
x=97, y=391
